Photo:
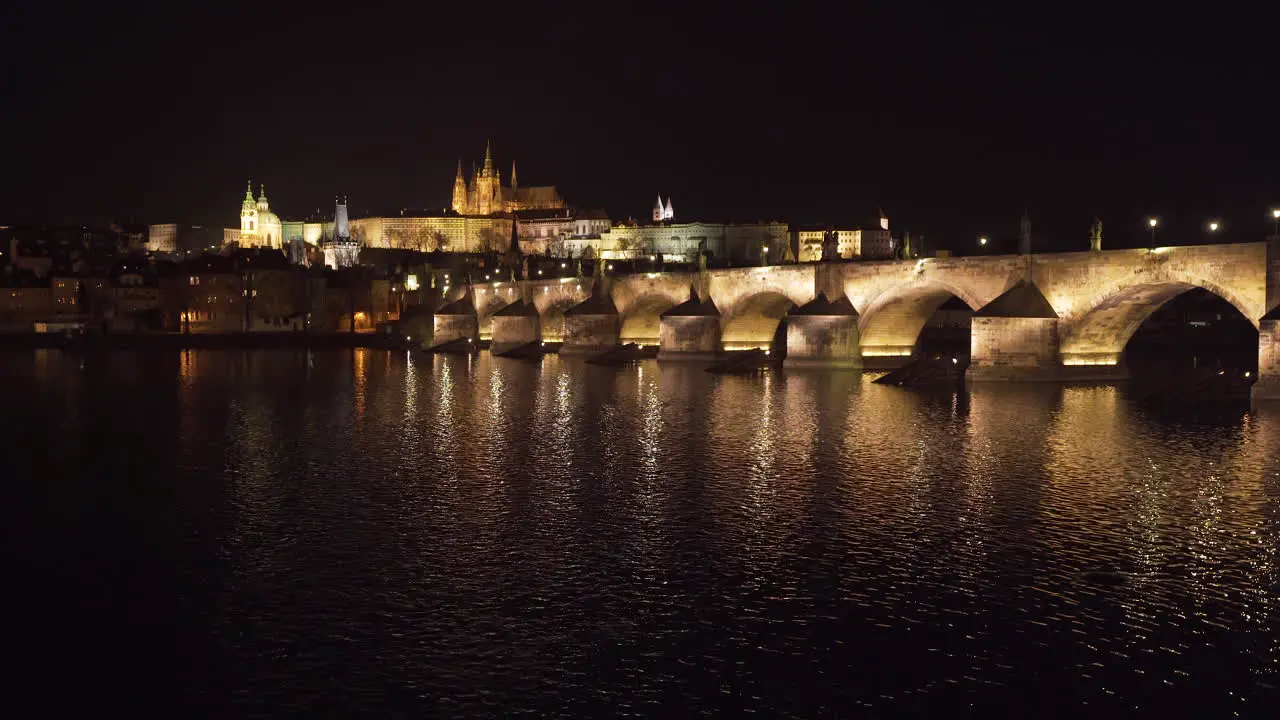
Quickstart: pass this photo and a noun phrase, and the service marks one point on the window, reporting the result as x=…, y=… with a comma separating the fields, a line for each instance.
x=193, y=280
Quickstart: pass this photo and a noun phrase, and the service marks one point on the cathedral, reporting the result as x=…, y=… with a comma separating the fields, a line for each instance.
x=485, y=195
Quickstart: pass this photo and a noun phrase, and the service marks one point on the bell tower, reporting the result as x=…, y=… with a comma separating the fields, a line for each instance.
x=249, y=212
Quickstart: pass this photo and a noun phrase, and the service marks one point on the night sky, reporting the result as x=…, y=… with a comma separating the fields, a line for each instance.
x=952, y=119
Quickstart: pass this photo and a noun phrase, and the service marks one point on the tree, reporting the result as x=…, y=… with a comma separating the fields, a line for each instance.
x=490, y=240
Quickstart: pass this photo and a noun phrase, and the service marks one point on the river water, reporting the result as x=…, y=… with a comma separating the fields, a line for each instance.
x=231, y=534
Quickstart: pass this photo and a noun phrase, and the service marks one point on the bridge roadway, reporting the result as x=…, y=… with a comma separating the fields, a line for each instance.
x=1050, y=317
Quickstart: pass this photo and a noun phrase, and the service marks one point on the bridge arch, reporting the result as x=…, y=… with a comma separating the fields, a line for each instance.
x=752, y=322
x=1099, y=333
x=891, y=324
x=641, y=319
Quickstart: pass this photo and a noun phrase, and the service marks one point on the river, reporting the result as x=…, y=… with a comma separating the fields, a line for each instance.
x=230, y=534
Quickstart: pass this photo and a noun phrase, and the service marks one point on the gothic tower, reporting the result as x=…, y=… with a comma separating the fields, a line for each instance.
x=514, y=184
x=459, y=203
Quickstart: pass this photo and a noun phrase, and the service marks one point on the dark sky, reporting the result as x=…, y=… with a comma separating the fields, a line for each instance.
x=953, y=119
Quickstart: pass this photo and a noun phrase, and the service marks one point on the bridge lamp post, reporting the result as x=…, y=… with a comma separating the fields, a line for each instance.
x=1213, y=227
x=1275, y=217
x=982, y=241
x=1153, y=222
x=764, y=254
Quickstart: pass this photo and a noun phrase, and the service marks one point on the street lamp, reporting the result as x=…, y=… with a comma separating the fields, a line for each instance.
x=764, y=255
x=1275, y=216
x=982, y=241
x=1213, y=226
x=1153, y=222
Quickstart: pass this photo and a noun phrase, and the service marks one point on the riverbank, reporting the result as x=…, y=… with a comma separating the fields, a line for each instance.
x=204, y=341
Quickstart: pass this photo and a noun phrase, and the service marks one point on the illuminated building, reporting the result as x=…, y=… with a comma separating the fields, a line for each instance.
x=485, y=195
x=340, y=250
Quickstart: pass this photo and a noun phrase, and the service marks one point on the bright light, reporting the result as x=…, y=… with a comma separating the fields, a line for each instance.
x=486, y=277
x=982, y=241
x=1248, y=373
x=1213, y=227
x=411, y=282
x=611, y=267
x=955, y=361
x=539, y=272
x=1275, y=214
x=1153, y=222
x=652, y=258
x=562, y=266
x=764, y=249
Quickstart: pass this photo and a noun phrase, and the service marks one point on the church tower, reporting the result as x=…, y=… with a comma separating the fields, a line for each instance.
x=248, y=213
x=668, y=214
x=485, y=191
x=658, y=210
x=459, y=192
x=514, y=185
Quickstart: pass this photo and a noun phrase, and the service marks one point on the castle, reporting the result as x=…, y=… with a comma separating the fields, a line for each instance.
x=485, y=195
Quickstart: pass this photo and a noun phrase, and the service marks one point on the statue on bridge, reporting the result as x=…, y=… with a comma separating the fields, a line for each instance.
x=1095, y=235
x=830, y=245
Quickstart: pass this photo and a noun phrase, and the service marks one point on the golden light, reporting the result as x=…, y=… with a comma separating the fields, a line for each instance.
x=982, y=241
x=1153, y=222
x=1275, y=214
x=764, y=249
x=1213, y=227
x=411, y=282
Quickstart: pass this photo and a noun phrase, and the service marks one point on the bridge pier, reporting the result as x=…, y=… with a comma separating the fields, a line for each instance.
x=592, y=326
x=515, y=325
x=1015, y=338
x=690, y=331
x=823, y=334
x=1268, y=385
x=455, y=321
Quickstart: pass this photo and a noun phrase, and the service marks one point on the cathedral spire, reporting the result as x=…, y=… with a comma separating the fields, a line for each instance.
x=459, y=202
x=488, y=158
x=248, y=190
x=514, y=184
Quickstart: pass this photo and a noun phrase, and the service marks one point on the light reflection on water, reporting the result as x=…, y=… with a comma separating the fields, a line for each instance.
x=471, y=536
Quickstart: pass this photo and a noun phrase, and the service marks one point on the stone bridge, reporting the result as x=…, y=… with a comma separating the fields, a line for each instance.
x=1060, y=316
